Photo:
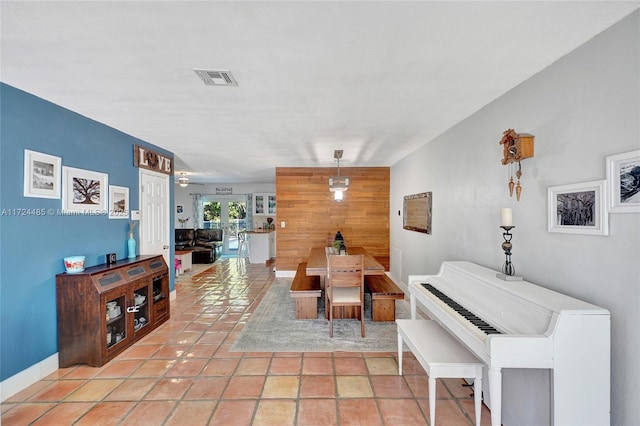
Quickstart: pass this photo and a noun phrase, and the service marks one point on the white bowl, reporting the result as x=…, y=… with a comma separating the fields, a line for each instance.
x=114, y=313
x=74, y=264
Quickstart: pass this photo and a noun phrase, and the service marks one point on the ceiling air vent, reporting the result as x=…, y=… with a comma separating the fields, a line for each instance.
x=216, y=77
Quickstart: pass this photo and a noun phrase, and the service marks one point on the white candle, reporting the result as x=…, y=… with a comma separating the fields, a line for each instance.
x=506, y=217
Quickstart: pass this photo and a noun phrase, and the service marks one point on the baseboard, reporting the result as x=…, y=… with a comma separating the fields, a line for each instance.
x=285, y=274
x=173, y=295
x=28, y=376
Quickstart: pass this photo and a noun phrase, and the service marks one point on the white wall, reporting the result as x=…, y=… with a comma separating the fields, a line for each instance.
x=581, y=109
x=184, y=197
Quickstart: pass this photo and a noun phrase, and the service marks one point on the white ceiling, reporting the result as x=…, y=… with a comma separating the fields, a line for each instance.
x=376, y=79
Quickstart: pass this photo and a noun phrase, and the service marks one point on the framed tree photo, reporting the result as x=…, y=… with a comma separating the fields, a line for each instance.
x=623, y=176
x=41, y=175
x=118, y=202
x=578, y=208
x=84, y=191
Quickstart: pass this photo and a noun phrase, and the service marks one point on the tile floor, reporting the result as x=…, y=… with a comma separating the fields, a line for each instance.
x=183, y=374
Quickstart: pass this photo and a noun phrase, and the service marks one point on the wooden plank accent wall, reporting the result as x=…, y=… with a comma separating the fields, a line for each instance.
x=312, y=217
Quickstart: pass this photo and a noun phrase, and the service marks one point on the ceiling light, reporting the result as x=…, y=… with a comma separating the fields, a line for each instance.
x=338, y=184
x=183, y=180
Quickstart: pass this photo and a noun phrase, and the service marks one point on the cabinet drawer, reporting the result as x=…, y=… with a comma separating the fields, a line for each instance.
x=160, y=310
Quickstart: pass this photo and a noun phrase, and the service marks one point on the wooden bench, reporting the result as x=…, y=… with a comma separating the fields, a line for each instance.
x=384, y=293
x=384, y=261
x=306, y=291
x=441, y=355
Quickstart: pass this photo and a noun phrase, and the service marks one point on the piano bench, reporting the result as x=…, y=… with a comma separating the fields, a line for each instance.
x=441, y=355
x=384, y=293
x=306, y=291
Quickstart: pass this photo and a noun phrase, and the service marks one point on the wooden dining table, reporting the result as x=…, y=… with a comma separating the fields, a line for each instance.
x=317, y=266
x=317, y=262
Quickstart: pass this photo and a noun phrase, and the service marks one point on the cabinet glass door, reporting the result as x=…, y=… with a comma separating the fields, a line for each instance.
x=116, y=322
x=140, y=308
x=271, y=204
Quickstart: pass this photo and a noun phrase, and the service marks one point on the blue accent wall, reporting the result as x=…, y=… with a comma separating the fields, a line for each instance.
x=32, y=247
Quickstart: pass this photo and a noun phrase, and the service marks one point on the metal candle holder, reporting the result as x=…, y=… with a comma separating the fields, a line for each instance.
x=508, y=270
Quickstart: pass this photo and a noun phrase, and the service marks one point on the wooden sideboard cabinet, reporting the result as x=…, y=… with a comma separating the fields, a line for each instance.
x=106, y=308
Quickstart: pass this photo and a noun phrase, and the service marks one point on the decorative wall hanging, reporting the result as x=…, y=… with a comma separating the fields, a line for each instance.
x=118, y=202
x=41, y=175
x=224, y=190
x=84, y=191
x=417, y=212
x=623, y=176
x=147, y=159
x=516, y=147
x=578, y=208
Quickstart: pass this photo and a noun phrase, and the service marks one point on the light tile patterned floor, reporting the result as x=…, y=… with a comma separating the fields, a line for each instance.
x=183, y=374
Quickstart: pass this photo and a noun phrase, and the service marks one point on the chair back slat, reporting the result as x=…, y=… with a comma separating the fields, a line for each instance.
x=346, y=271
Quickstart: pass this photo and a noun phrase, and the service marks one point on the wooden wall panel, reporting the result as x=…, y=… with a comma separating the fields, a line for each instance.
x=312, y=217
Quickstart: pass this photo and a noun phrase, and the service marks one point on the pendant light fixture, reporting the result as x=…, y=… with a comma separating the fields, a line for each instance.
x=183, y=180
x=338, y=184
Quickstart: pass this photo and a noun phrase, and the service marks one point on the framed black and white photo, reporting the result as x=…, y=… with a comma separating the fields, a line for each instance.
x=41, y=175
x=578, y=208
x=118, y=202
x=84, y=191
x=623, y=176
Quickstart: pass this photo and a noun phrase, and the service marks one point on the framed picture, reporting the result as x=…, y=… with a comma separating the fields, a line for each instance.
x=118, y=202
x=179, y=209
x=41, y=175
x=623, y=176
x=417, y=212
x=84, y=191
x=578, y=208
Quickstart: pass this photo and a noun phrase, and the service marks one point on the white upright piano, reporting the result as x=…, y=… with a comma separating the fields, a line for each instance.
x=517, y=324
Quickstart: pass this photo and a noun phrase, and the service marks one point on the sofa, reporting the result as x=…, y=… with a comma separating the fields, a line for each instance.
x=205, y=244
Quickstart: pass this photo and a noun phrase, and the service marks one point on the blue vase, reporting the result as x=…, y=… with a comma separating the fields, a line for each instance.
x=131, y=244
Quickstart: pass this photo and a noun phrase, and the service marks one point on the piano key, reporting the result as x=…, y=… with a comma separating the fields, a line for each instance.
x=465, y=313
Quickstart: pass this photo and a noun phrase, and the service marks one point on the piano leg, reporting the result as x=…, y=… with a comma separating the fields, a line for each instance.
x=495, y=391
x=413, y=306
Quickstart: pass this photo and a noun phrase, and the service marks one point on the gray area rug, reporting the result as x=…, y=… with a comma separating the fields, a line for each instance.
x=273, y=328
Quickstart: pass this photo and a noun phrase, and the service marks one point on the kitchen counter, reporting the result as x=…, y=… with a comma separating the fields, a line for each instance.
x=260, y=231
x=262, y=245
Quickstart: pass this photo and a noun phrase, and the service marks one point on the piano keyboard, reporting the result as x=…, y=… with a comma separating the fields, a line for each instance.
x=468, y=315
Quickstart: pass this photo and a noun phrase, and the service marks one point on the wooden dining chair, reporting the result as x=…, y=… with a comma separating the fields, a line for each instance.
x=345, y=285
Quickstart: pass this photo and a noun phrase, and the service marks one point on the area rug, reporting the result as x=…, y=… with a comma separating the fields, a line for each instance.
x=273, y=328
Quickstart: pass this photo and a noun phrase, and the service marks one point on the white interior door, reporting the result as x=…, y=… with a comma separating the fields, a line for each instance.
x=154, y=220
